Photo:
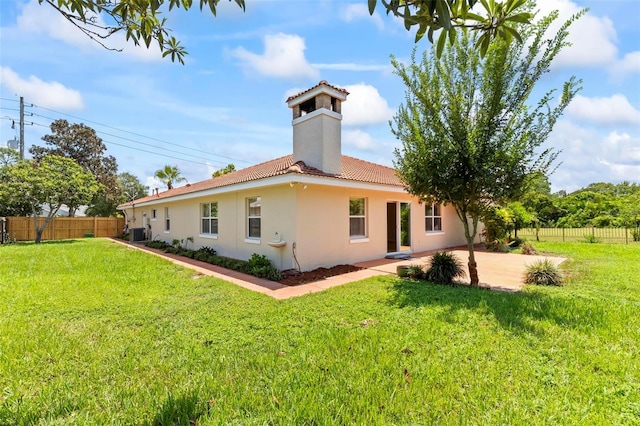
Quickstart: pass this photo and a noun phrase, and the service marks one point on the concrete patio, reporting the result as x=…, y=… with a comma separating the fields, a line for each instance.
x=497, y=271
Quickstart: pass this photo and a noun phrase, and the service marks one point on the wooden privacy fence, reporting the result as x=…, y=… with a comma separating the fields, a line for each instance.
x=606, y=235
x=61, y=228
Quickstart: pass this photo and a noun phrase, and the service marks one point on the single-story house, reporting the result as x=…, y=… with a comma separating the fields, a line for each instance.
x=313, y=208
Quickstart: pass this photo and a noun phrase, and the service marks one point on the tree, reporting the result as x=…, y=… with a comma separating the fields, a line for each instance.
x=469, y=135
x=8, y=156
x=228, y=169
x=81, y=144
x=129, y=188
x=141, y=22
x=169, y=175
x=51, y=181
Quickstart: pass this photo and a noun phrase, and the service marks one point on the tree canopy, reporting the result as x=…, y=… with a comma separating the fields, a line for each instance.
x=51, y=181
x=470, y=136
x=170, y=175
x=227, y=169
x=142, y=21
x=81, y=144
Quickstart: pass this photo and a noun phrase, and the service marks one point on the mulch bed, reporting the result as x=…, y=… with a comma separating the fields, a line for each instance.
x=292, y=277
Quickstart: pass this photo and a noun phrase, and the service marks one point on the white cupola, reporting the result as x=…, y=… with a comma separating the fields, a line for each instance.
x=316, y=124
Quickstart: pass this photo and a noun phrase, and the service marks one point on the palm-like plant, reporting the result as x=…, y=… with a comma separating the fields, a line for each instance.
x=169, y=175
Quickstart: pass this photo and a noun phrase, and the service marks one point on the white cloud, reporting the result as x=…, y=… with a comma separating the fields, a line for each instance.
x=615, y=109
x=358, y=139
x=48, y=94
x=630, y=64
x=588, y=156
x=43, y=19
x=592, y=38
x=354, y=12
x=283, y=57
x=365, y=106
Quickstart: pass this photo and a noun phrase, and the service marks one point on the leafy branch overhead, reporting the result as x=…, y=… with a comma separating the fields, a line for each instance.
x=142, y=21
x=498, y=20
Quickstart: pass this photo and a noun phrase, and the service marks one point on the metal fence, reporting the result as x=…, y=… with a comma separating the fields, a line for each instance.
x=605, y=235
x=60, y=228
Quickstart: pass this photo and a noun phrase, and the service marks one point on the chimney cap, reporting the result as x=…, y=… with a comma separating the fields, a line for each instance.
x=322, y=86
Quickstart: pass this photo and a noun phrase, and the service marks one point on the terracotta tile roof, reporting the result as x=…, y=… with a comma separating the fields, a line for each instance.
x=353, y=169
x=322, y=83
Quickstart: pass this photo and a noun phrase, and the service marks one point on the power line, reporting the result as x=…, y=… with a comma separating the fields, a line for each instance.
x=141, y=143
x=137, y=149
x=140, y=135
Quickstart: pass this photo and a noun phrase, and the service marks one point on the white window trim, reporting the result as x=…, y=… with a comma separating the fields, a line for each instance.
x=440, y=231
x=154, y=217
x=359, y=238
x=210, y=234
x=249, y=239
x=167, y=217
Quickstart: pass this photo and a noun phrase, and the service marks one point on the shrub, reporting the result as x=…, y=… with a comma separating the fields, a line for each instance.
x=517, y=242
x=543, y=272
x=415, y=272
x=498, y=246
x=592, y=239
x=528, y=248
x=260, y=266
x=443, y=268
x=635, y=234
x=160, y=245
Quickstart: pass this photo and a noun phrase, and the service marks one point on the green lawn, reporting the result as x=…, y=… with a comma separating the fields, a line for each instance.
x=94, y=333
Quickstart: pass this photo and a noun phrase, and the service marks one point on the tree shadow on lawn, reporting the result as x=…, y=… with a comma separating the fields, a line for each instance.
x=521, y=312
x=180, y=410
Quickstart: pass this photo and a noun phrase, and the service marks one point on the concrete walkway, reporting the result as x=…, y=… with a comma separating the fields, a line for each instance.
x=497, y=271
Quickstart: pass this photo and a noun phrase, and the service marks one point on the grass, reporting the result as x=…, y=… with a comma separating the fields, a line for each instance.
x=93, y=333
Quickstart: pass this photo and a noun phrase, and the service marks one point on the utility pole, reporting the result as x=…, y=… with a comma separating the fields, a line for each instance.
x=21, y=128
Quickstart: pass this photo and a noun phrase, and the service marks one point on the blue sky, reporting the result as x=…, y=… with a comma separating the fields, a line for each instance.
x=227, y=104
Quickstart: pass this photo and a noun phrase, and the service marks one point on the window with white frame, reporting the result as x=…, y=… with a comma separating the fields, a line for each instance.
x=357, y=218
x=167, y=220
x=153, y=214
x=433, y=218
x=254, y=206
x=209, y=218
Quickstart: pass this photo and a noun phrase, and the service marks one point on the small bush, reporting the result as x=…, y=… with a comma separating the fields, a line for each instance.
x=528, y=248
x=415, y=272
x=443, y=268
x=517, y=242
x=543, y=272
x=635, y=234
x=260, y=266
x=498, y=246
x=207, y=250
x=592, y=239
x=159, y=245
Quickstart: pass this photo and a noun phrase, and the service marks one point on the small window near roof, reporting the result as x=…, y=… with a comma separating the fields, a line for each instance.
x=167, y=220
x=153, y=214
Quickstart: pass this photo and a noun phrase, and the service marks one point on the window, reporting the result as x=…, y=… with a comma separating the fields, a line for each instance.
x=253, y=217
x=433, y=218
x=153, y=214
x=167, y=221
x=357, y=218
x=209, y=218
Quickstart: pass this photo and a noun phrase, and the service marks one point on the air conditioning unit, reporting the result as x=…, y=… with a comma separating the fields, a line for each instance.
x=136, y=234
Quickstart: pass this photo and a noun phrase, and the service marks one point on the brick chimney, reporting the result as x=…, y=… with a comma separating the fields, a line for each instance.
x=317, y=127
